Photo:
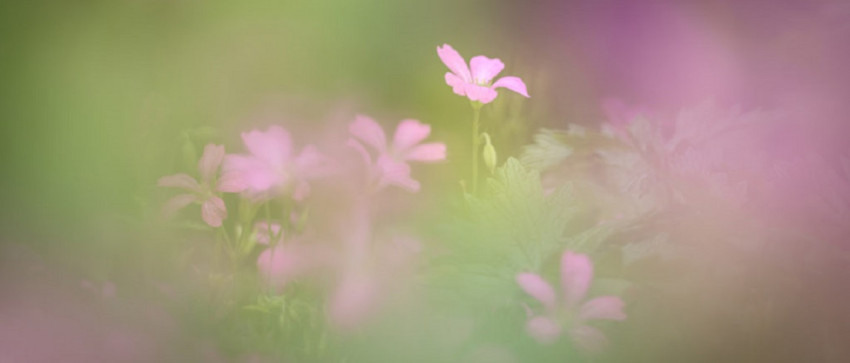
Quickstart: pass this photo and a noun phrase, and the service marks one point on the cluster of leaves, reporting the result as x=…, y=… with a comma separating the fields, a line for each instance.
x=512, y=226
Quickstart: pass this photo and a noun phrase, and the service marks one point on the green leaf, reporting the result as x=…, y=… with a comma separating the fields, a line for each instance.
x=512, y=226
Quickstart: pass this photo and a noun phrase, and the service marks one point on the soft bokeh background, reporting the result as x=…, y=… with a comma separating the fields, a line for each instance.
x=98, y=98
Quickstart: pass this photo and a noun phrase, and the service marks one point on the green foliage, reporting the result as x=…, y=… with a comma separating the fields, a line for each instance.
x=290, y=325
x=512, y=226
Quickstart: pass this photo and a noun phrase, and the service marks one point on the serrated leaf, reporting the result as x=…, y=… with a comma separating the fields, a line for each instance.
x=511, y=226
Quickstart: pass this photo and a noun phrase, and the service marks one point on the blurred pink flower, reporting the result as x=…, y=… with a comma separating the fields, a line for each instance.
x=570, y=310
x=271, y=167
x=475, y=81
x=284, y=261
x=367, y=278
x=265, y=231
x=213, y=210
x=390, y=166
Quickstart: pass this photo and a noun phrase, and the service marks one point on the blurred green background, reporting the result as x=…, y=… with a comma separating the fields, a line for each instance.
x=96, y=94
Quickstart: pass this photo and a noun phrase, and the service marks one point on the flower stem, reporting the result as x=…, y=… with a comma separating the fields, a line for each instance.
x=476, y=115
x=272, y=236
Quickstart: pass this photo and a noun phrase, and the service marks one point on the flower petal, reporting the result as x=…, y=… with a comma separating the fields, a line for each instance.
x=484, y=69
x=178, y=181
x=246, y=172
x=588, y=338
x=576, y=273
x=210, y=160
x=452, y=59
x=177, y=203
x=430, y=152
x=213, y=211
x=457, y=83
x=481, y=94
x=360, y=150
x=262, y=232
x=395, y=173
x=543, y=329
x=603, y=307
x=512, y=83
x=273, y=146
x=538, y=288
x=409, y=133
x=280, y=264
x=368, y=131
x=310, y=163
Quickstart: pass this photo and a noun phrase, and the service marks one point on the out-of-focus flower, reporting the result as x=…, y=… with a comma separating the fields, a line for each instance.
x=270, y=167
x=476, y=80
x=265, y=232
x=213, y=210
x=367, y=278
x=284, y=261
x=570, y=311
x=391, y=164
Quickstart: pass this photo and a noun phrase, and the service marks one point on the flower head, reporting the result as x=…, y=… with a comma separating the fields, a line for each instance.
x=390, y=166
x=213, y=210
x=271, y=167
x=476, y=80
x=570, y=310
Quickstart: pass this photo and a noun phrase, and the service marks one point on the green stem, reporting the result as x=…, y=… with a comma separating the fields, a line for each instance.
x=476, y=115
x=272, y=236
x=231, y=250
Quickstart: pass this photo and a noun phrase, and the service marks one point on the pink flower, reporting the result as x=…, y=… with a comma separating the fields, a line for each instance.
x=391, y=164
x=285, y=261
x=265, y=231
x=368, y=277
x=475, y=81
x=569, y=310
x=271, y=166
x=213, y=210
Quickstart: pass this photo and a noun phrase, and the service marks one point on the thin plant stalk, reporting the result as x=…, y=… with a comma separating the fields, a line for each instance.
x=476, y=115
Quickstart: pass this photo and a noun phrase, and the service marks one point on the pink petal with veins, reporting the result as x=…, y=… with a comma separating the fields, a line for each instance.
x=452, y=59
x=512, y=83
x=213, y=211
x=484, y=69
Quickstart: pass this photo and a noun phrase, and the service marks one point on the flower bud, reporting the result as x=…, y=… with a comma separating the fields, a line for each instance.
x=489, y=153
